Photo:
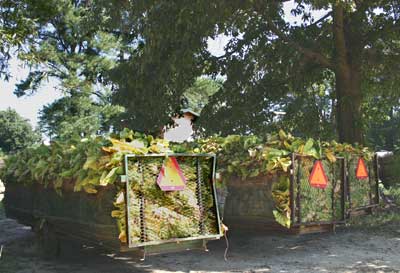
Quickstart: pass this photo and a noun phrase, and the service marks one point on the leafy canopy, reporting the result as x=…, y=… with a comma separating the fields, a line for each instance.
x=16, y=133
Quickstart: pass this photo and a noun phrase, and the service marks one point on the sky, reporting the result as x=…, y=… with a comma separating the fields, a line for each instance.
x=28, y=107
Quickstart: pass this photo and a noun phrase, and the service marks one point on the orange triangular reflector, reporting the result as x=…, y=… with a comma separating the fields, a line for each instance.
x=171, y=177
x=361, y=171
x=318, y=177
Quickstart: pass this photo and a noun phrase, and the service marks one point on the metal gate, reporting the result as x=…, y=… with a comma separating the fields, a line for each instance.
x=316, y=206
x=155, y=216
x=362, y=193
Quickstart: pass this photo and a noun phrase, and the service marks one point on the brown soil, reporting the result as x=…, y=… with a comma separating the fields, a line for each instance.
x=366, y=247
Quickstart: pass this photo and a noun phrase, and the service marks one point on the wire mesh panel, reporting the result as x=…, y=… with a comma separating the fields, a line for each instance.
x=155, y=216
x=362, y=193
x=315, y=205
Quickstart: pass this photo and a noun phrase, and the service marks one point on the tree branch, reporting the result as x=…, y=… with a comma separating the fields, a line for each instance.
x=311, y=55
x=321, y=19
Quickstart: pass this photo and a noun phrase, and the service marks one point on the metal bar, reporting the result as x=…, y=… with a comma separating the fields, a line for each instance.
x=214, y=191
x=143, y=236
x=348, y=186
x=128, y=201
x=333, y=199
x=298, y=197
x=343, y=189
x=318, y=223
x=364, y=207
x=178, y=240
x=377, y=177
x=200, y=196
x=291, y=189
x=310, y=156
x=370, y=166
x=171, y=154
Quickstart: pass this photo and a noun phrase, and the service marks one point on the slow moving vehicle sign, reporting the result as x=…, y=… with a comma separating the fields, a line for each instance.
x=171, y=177
x=361, y=170
x=318, y=177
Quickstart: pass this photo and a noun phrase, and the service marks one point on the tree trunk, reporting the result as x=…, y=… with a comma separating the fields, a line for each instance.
x=348, y=79
x=348, y=94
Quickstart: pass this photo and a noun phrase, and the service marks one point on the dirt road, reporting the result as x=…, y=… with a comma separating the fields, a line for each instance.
x=360, y=248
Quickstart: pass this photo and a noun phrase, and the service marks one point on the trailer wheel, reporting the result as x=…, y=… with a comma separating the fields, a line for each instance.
x=47, y=240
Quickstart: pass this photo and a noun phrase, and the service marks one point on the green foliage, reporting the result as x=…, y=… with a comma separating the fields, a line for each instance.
x=15, y=30
x=270, y=65
x=88, y=162
x=281, y=195
x=168, y=214
x=383, y=130
x=150, y=54
x=390, y=170
x=251, y=156
x=198, y=94
x=93, y=162
x=70, y=45
x=16, y=132
x=161, y=59
x=97, y=161
x=78, y=115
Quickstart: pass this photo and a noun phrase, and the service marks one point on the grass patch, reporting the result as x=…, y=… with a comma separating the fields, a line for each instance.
x=393, y=193
x=377, y=219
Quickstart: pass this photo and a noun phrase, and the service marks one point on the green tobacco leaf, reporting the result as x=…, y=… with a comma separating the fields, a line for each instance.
x=308, y=147
x=282, y=135
x=91, y=163
x=110, y=177
x=281, y=218
x=285, y=163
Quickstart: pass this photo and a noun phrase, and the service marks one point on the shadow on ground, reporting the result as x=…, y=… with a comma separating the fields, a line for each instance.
x=355, y=249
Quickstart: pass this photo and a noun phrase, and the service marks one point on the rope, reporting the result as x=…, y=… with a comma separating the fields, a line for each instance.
x=144, y=255
x=225, y=229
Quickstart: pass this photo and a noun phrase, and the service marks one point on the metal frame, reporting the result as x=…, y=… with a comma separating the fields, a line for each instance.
x=177, y=240
x=375, y=165
x=293, y=178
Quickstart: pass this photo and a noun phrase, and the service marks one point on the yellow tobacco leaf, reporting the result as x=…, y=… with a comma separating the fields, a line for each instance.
x=116, y=213
x=122, y=237
x=90, y=189
x=331, y=157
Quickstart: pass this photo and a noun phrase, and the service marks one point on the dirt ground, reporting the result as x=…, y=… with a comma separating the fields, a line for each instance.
x=370, y=245
x=361, y=248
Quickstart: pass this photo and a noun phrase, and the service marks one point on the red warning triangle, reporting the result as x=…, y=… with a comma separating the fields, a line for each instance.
x=318, y=177
x=171, y=177
x=361, y=171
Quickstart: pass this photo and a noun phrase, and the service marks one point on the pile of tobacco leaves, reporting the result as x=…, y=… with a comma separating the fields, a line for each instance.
x=251, y=156
x=91, y=163
x=98, y=161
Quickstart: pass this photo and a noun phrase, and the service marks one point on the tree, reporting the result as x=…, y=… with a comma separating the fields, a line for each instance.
x=268, y=59
x=198, y=95
x=78, y=115
x=15, y=29
x=150, y=52
x=16, y=133
x=72, y=45
x=159, y=64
